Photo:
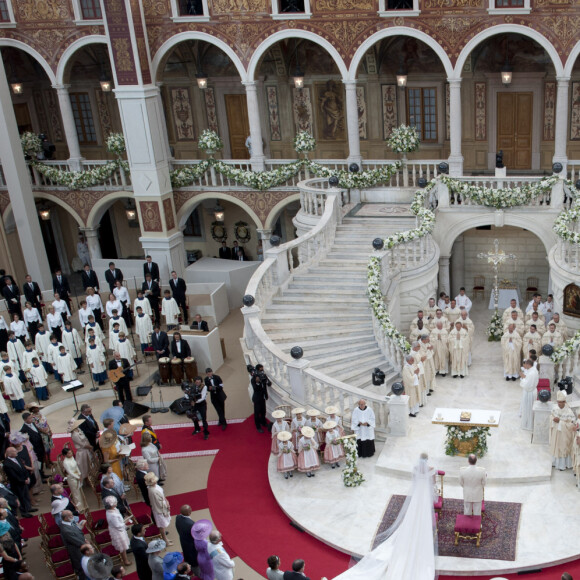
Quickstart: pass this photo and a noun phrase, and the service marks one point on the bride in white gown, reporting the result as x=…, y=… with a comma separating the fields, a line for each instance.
x=407, y=550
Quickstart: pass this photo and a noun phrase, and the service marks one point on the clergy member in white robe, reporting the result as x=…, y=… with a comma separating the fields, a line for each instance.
x=438, y=318
x=540, y=326
x=459, y=350
x=507, y=313
x=529, y=378
x=462, y=300
x=519, y=325
x=452, y=313
x=65, y=365
x=430, y=310
x=551, y=336
x=511, y=345
x=532, y=341
x=560, y=326
x=410, y=375
x=562, y=432
x=143, y=327
x=468, y=325
x=363, y=425
x=439, y=339
x=170, y=310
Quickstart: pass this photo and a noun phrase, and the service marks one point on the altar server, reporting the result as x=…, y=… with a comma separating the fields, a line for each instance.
x=286, y=462
x=529, y=378
x=439, y=339
x=143, y=326
x=308, y=461
x=363, y=425
x=278, y=426
x=507, y=313
x=13, y=388
x=73, y=343
x=298, y=422
x=562, y=433
x=334, y=450
x=65, y=365
x=142, y=302
x=39, y=380
x=459, y=350
x=97, y=362
x=552, y=336
x=532, y=341
x=462, y=300
x=42, y=343
x=170, y=310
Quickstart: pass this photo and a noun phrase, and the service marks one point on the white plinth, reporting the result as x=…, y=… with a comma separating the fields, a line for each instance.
x=501, y=171
x=398, y=415
x=547, y=370
x=206, y=348
x=542, y=412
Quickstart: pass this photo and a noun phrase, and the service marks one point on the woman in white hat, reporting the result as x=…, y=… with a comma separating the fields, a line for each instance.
x=155, y=560
x=74, y=478
x=85, y=453
x=159, y=505
x=286, y=463
x=298, y=422
x=334, y=451
x=314, y=421
x=151, y=454
x=278, y=426
x=308, y=461
x=332, y=415
x=117, y=529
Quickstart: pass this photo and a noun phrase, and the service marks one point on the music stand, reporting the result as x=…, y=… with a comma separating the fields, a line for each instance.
x=73, y=386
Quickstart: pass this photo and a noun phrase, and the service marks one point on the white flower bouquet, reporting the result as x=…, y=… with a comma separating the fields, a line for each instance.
x=404, y=139
x=351, y=476
x=31, y=143
x=210, y=142
x=495, y=329
x=116, y=143
x=304, y=142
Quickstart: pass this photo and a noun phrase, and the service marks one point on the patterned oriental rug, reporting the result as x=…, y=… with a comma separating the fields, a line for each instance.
x=498, y=538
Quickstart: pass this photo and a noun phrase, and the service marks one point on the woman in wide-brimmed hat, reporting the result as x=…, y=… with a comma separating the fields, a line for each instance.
x=85, y=453
x=308, y=461
x=110, y=445
x=117, y=529
x=200, y=533
x=155, y=560
x=74, y=479
x=159, y=505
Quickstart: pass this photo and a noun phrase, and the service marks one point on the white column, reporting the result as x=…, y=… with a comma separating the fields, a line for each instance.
x=92, y=236
x=20, y=190
x=455, y=156
x=70, y=130
x=444, y=285
x=258, y=158
x=354, y=155
x=265, y=236
x=561, y=125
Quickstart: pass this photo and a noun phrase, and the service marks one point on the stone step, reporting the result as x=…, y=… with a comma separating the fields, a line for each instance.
x=289, y=334
x=317, y=308
x=327, y=282
x=292, y=292
x=356, y=273
x=311, y=317
x=345, y=259
x=329, y=357
x=327, y=301
x=348, y=369
x=328, y=346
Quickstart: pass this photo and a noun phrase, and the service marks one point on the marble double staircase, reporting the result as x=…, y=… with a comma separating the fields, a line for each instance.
x=325, y=310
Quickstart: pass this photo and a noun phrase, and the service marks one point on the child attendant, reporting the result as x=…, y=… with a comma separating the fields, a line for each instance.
x=116, y=319
x=298, y=422
x=13, y=388
x=53, y=354
x=73, y=343
x=316, y=424
x=332, y=413
x=126, y=349
x=286, y=463
x=98, y=330
x=278, y=426
x=142, y=302
x=65, y=365
x=114, y=336
x=38, y=378
x=29, y=354
x=170, y=310
x=96, y=361
x=334, y=451
x=143, y=327
x=308, y=461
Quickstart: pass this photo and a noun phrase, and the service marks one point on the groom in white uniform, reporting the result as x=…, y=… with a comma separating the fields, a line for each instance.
x=472, y=479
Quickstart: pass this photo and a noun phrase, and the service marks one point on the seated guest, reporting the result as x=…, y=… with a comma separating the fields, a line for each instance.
x=199, y=324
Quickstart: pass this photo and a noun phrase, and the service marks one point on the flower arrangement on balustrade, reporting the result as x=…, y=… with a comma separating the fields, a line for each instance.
x=209, y=142
x=351, y=476
x=304, y=142
x=569, y=216
x=495, y=329
x=569, y=347
x=456, y=436
x=77, y=179
x=404, y=139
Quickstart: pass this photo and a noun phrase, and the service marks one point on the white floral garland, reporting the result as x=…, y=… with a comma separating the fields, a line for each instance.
x=404, y=139
x=304, y=142
x=210, y=142
x=351, y=476
x=31, y=143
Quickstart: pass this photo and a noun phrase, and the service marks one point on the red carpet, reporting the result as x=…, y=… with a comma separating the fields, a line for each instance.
x=246, y=513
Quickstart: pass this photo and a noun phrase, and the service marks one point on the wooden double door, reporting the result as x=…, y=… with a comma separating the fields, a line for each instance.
x=238, y=125
x=514, y=129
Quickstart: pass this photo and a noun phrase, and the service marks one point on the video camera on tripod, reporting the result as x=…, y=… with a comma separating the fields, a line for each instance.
x=192, y=395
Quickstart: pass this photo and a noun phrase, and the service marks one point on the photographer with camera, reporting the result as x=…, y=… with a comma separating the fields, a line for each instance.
x=260, y=383
x=197, y=394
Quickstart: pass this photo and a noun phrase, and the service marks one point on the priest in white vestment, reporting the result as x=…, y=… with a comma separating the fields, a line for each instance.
x=507, y=313
x=552, y=336
x=410, y=375
x=462, y=300
x=452, y=313
x=170, y=310
x=537, y=310
x=439, y=339
x=459, y=350
x=430, y=310
x=529, y=379
x=428, y=364
x=468, y=325
x=420, y=358
x=540, y=326
x=420, y=317
x=562, y=430
x=418, y=331
x=363, y=426
x=511, y=345
x=438, y=318
x=549, y=308
x=532, y=341
x=518, y=324
x=560, y=326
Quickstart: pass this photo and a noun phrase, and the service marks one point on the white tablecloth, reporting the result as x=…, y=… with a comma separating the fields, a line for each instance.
x=443, y=416
x=505, y=296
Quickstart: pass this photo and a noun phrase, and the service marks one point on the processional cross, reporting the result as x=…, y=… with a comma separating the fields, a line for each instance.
x=496, y=258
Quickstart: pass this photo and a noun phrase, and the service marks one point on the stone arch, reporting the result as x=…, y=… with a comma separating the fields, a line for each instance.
x=449, y=226
x=33, y=53
x=72, y=49
x=276, y=210
x=399, y=31
x=295, y=33
x=166, y=47
x=509, y=29
x=8, y=215
x=100, y=208
x=191, y=203
x=574, y=53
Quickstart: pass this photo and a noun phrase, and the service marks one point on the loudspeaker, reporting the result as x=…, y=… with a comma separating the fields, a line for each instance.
x=133, y=410
x=179, y=406
x=143, y=390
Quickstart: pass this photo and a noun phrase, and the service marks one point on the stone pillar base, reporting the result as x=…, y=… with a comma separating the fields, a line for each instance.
x=398, y=415
x=169, y=253
x=296, y=378
x=542, y=414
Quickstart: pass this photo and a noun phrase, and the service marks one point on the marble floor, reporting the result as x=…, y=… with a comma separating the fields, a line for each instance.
x=517, y=470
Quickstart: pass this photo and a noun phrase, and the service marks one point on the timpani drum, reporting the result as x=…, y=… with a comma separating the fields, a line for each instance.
x=177, y=370
x=190, y=368
x=165, y=369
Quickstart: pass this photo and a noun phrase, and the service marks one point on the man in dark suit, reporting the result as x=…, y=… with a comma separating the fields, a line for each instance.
x=215, y=386
x=11, y=294
x=124, y=383
x=73, y=539
x=199, y=324
x=238, y=252
x=297, y=572
x=57, y=491
x=140, y=472
x=32, y=293
x=138, y=546
x=152, y=291
x=179, y=288
x=112, y=275
x=179, y=347
x=260, y=383
x=89, y=279
x=8, y=495
x=89, y=426
x=107, y=489
x=35, y=439
x=183, y=524
x=225, y=252
x=18, y=479
x=160, y=342
x=61, y=286
x=150, y=267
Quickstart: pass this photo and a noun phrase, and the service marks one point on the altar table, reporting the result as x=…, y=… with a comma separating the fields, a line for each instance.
x=505, y=296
